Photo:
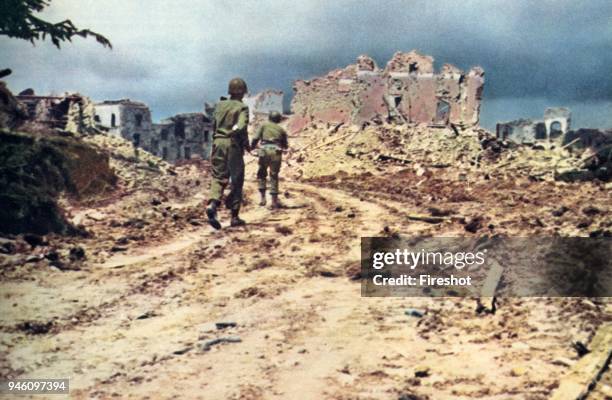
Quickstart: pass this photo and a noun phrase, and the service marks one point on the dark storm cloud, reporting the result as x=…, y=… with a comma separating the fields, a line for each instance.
x=175, y=56
x=558, y=49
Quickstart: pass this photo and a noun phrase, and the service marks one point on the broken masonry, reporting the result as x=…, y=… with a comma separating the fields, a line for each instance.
x=406, y=91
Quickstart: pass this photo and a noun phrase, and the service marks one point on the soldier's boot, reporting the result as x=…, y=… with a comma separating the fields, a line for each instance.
x=275, y=201
x=236, y=221
x=262, y=202
x=211, y=213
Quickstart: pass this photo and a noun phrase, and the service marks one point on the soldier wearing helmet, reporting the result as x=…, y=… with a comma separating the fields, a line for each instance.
x=230, y=140
x=273, y=140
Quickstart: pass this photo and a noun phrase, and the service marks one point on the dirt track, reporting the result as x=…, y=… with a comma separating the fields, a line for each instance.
x=134, y=324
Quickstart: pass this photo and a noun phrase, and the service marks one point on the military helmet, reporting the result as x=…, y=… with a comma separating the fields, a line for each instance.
x=274, y=116
x=237, y=86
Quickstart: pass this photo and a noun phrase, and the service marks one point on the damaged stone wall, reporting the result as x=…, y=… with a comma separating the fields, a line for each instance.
x=182, y=137
x=128, y=119
x=45, y=110
x=560, y=116
x=71, y=112
x=554, y=126
x=407, y=90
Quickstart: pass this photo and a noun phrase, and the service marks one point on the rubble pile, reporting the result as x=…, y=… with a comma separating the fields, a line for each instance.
x=467, y=180
x=152, y=192
x=351, y=149
x=326, y=151
x=136, y=168
x=536, y=162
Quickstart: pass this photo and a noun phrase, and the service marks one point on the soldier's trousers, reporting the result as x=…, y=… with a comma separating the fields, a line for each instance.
x=227, y=167
x=270, y=157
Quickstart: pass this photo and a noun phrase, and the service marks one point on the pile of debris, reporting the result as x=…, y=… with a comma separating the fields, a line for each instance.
x=356, y=150
x=135, y=168
x=327, y=151
x=537, y=162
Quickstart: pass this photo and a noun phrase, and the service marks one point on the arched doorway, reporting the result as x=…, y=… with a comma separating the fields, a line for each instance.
x=555, y=130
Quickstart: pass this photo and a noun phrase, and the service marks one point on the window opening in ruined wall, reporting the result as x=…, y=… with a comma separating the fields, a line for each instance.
x=540, y=131
x=179, y=130
x=138, y=120
x=442, y=112
x=505, y=132
x=555, y=130
x=113, y=120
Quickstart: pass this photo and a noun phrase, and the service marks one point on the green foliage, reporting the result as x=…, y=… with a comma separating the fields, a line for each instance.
x=17, y=20
x=36, y=168
x=32, y=174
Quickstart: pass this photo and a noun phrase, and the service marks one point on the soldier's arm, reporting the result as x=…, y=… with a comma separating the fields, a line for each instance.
x=284, y=140
x=243, y=119
x=257, y=138
x=244, y=140
x=241, y=128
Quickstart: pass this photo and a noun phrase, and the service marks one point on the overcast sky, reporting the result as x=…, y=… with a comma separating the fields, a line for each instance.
x=174, y=55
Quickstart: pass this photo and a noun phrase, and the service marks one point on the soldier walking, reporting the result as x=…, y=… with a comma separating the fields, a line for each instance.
x=273, y=141
x=230, y=140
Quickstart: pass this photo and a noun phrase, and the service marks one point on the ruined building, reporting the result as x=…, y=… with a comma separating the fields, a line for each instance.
x=180, y=137
x=555, y=124
x=594, y=145
x=263, y=103
x=70, y=112
x=128, y=119
x=406, y=91
x=183, y=136
x=49, y=110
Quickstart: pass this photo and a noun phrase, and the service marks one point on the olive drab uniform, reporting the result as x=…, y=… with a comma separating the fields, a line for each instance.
x=230, y=139
x=273, y=140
